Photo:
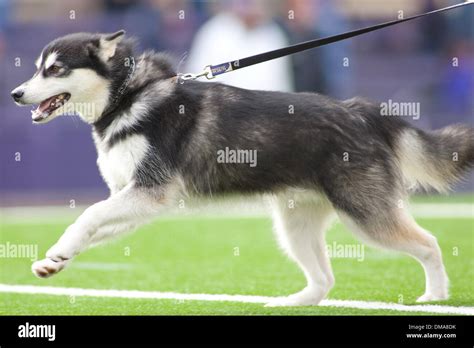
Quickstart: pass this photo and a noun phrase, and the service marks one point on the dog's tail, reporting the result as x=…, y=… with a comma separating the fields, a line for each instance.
x=438, y=159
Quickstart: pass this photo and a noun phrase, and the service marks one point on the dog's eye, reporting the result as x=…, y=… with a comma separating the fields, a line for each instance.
x=54, y=69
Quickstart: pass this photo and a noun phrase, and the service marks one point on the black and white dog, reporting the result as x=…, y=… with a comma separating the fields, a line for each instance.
x=157, y=138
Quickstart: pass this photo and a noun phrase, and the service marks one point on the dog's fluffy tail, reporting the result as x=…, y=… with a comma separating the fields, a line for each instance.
x=436, y=160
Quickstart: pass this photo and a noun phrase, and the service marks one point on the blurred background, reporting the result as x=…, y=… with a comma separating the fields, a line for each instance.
x=430, y=61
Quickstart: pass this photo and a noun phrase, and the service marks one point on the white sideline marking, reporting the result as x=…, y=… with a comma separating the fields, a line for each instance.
x=443, y=210
x=225, y=209
x=49, y=290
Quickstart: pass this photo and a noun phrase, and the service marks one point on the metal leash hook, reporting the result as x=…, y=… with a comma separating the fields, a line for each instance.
x=207, y=72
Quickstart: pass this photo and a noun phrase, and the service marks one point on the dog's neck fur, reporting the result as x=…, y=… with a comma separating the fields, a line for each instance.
x=117, y=71
x=153, y=79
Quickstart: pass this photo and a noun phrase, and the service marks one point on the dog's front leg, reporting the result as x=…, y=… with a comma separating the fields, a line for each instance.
x=112, y=217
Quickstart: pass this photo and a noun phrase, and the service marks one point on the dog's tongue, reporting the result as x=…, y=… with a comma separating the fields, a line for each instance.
x=45, y=104
x=40, y=112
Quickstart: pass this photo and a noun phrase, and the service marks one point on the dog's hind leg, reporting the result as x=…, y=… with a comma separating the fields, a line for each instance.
x=397, y=230
x=300, y=228
x=120, y=213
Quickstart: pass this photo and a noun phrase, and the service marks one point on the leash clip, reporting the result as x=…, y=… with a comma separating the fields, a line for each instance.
x=207, y=72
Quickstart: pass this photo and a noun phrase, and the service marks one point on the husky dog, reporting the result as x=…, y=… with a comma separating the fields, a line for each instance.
x=157, y=138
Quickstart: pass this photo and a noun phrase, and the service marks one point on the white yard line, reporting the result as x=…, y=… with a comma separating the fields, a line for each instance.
x=443, y=210
x=48, y=290
x=225, y=209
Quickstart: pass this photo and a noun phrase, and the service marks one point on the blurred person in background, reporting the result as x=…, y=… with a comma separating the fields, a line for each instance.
x=434, y=29
x=456, y=92
x=179, y=22
x=299, y=19
x=330, y=21
x=162, y=25
x=243, y=28
x=4, y=11
x=141, y=19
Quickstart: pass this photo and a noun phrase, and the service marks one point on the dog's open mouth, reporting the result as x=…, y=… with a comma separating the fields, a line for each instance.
x=47, y=106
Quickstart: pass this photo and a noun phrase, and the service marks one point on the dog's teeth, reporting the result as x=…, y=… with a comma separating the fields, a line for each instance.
x=35, y=115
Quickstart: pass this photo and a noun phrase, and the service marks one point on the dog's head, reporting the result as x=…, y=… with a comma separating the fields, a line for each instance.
x=75, y=75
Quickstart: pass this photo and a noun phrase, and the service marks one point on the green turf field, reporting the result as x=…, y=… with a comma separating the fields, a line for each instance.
x=198, y=255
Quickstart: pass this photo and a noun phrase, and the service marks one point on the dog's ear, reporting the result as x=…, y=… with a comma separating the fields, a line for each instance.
x=108, y=44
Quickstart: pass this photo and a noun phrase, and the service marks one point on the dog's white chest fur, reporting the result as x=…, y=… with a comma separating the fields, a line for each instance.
x=118, y=163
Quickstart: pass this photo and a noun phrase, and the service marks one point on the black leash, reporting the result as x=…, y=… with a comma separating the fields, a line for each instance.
x=212, y=71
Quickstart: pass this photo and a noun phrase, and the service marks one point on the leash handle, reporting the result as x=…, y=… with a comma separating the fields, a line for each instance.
x=212, y=71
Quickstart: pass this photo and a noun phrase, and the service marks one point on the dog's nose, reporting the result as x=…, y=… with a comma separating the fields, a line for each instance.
x=17, y=94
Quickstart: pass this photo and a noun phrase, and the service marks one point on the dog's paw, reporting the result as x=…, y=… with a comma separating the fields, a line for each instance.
x=428, y=297
x=60, y=252
x=310, y=296
x=46, y=268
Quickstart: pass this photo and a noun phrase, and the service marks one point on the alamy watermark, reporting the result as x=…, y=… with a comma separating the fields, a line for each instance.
x=12, y=250
x=228, y=155
x=402, y=109
x=73, y=109
x=346, y=251
x=28, y=330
